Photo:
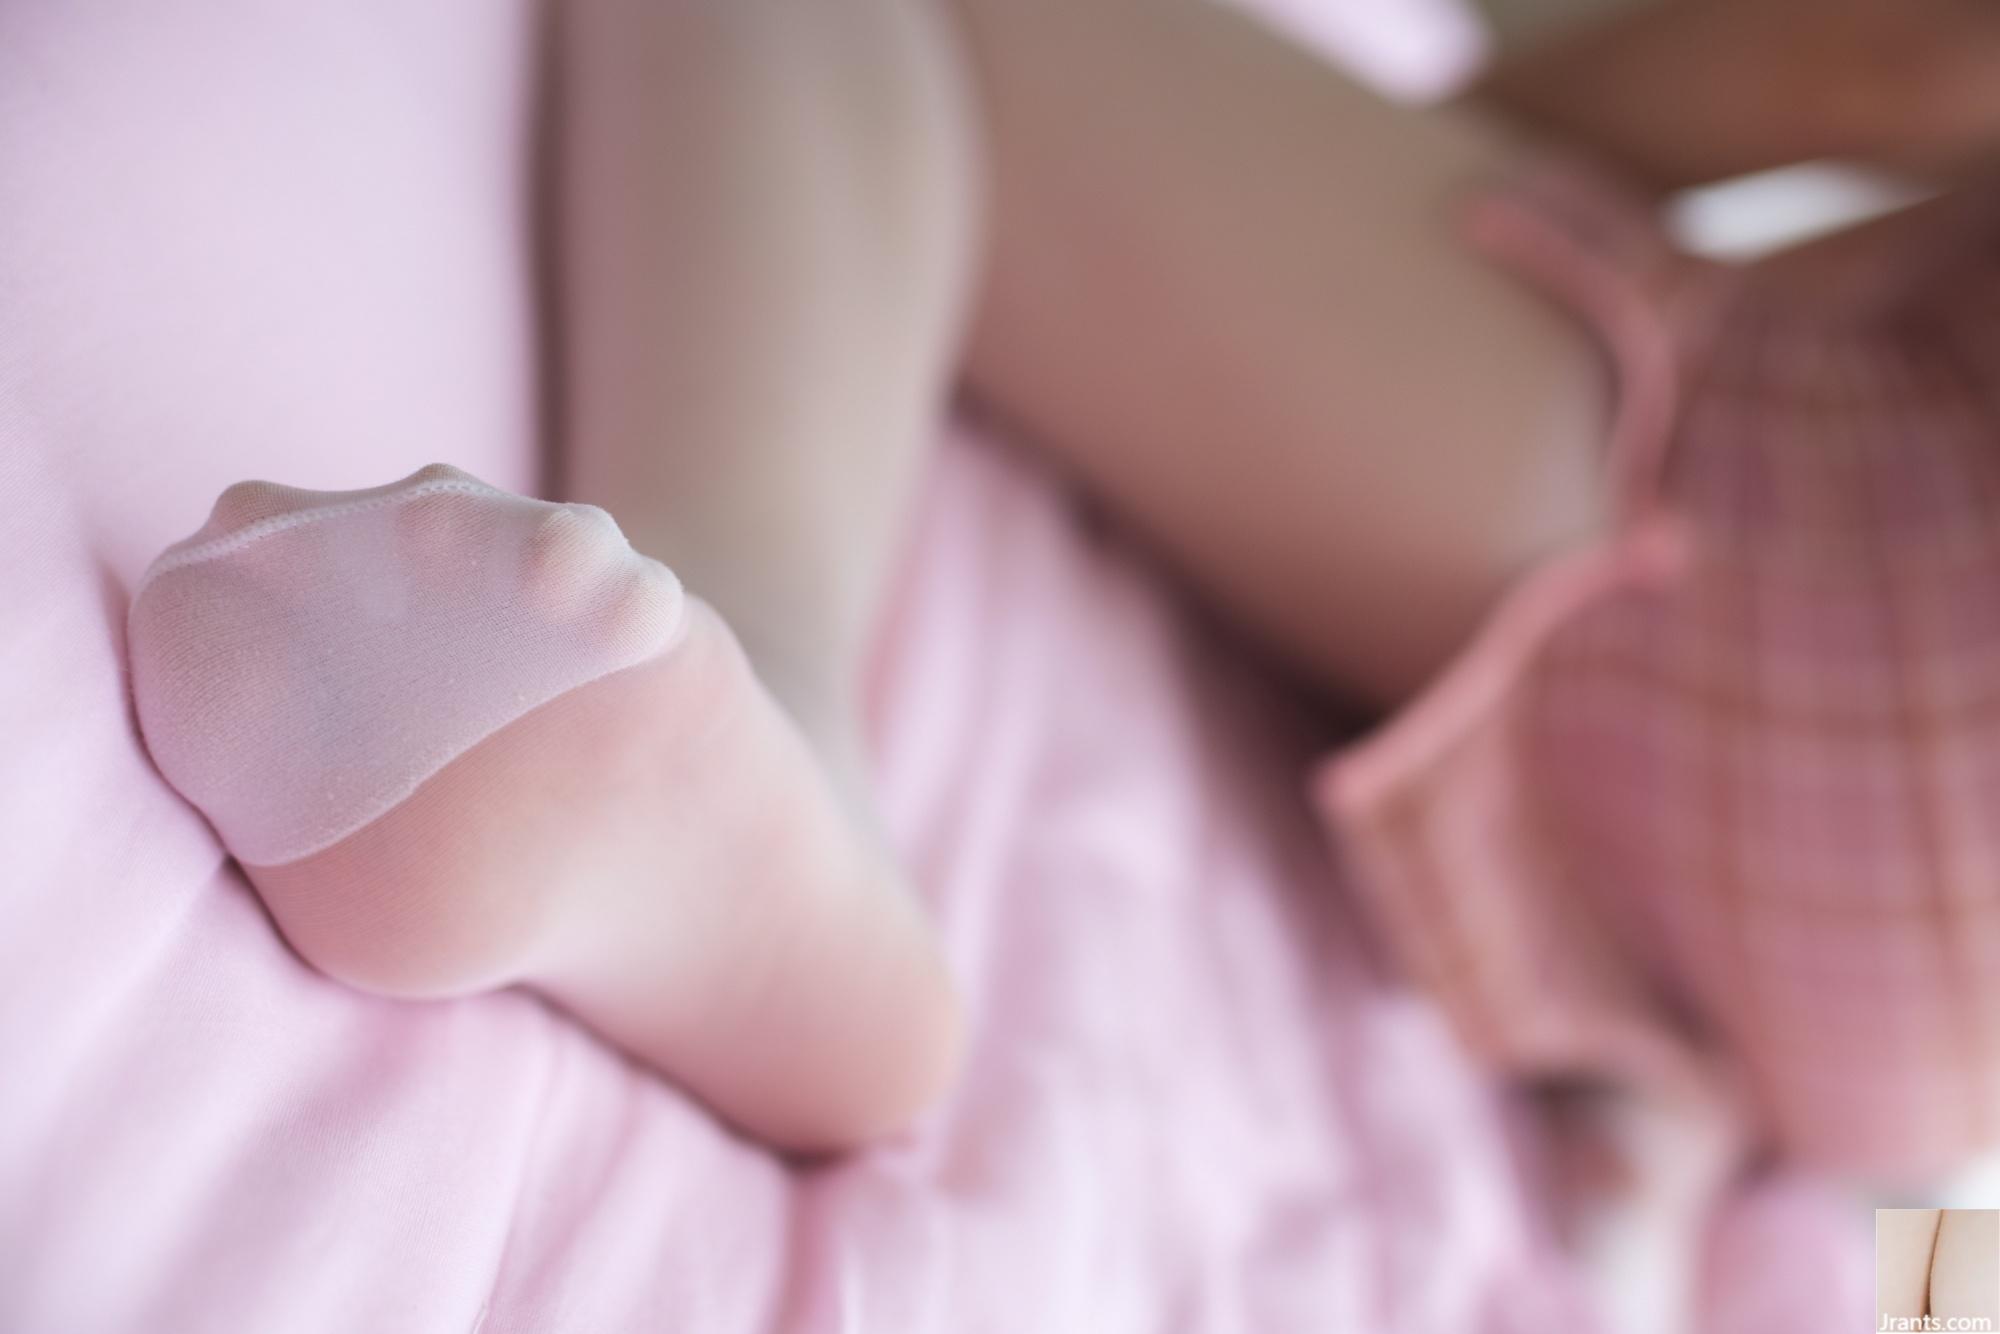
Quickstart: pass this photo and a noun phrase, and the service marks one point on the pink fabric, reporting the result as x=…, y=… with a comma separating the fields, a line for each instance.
x=1719, y=794
x=242, y=240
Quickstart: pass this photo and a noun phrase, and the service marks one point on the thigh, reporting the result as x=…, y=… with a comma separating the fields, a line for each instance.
x=1226, y=289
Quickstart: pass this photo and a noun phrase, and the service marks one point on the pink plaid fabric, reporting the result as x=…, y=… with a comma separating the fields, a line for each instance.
x=1723, y=793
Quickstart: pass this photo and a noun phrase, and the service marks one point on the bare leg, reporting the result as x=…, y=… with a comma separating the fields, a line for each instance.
x=1225, y=289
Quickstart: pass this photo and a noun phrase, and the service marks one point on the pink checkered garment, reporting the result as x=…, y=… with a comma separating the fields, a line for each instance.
x=1723, y=792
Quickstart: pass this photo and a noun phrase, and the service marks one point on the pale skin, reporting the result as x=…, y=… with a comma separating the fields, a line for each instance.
x=1943, y=1263
x=1212, y=277
x=1965, y=1268
x=1905, y=1240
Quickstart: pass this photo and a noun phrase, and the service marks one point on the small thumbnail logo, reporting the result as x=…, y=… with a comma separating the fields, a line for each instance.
x=1937, y=1271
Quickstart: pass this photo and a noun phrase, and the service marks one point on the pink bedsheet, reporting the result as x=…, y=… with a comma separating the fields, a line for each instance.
x=242, y=239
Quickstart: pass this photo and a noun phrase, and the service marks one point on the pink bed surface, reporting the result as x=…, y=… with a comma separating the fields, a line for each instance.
x=242, y=239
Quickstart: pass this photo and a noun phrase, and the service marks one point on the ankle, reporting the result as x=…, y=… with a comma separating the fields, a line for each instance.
x=820, y=693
